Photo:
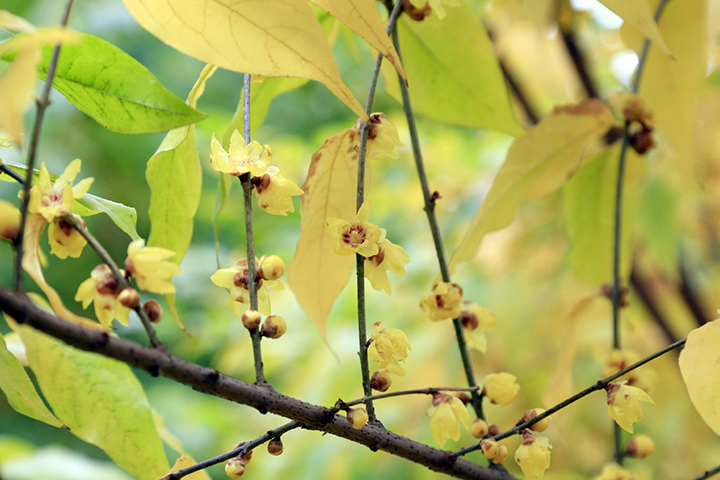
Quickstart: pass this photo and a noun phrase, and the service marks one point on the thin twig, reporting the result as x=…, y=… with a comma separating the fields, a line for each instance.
x=709, y=473
x=42, y=103
x=12, y=174
x=416, y=391
x=645, y=291
x=244, y=448
x=593, y=388
x=689, y=294
x=435, y=230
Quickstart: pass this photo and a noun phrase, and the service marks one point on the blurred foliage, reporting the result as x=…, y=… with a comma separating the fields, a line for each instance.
x=522, y=273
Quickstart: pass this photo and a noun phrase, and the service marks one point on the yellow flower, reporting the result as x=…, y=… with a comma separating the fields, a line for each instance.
x=274, y=192
x=150, y=267
x=475, y=320
x=358, y=236
x=533, y=455
x=444, y=416
x=52, y=200
x=9, y=221
x=242, y=158
x=501, y=388
x=64, y=240
x=389, y=257
x=102, y=289
x=618, y=360
x=623, y=405
x=444, y=302
x=235, y=279
x=383, y=138
x=388, y=347
x=438, y=6
x=640, y=446
x=613, y=471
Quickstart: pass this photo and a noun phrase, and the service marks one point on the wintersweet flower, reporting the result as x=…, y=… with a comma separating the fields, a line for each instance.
x=52, y=200
x=103, y=289
x=242, y=158
x=444, y=302
x=383, y=138
x=475, y=320
x=236, y=280
x=533, y=455
x=64, y=240
x=388, y=346
x=274, y=192
x=623, y=405
x=618, y=360
x=389, y=257
x=501, y=388
x=438, y=6
x=613, y=471
x=151, y=268
x=9, y=221
x=358, y=236
x=444, y=416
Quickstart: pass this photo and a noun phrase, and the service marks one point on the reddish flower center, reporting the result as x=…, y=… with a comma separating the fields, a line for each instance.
x=354, y=235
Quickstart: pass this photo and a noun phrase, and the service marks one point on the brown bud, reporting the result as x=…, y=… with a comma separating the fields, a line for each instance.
x=381, y=380
x=493, y=430
x=490, y=448
x=235, y=467
x=251, y=319
x=129, y=298
x=275, y=446
x=642, y=141
x=273, y=327
x=153, y=310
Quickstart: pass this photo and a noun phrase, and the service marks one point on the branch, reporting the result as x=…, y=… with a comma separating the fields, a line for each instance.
x=206, y=380
x=709, y=473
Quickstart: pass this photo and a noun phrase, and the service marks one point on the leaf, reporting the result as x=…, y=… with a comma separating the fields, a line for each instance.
x=538, y=163
x=316, y=273
x=100, y=400
x=589, y=209
x=272, y=38
x=17, y=84
x=658, y=218
x=168, y=438
x=700, y=368
x=19, y=390
x=31, y=264
x=463, y=86
x=638, y=14
x=186, y=461
x=363, y=18
x=114, y=89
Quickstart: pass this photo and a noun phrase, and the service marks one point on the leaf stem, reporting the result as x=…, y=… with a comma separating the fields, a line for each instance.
x=42, y=104
x=435, y=230
x=592, y=388
x=242, y=449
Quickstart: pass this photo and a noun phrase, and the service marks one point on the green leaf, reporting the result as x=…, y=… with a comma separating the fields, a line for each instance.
x=463, y=86
x=100, y=400
x=657, y=216
x=538, y=163
x=20, y=391
x=115, y=89
x=589, y=208
x=700, y=368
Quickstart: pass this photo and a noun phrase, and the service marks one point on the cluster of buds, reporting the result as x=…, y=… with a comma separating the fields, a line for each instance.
x=273, y=191
x=268, y=271
x=494, y=451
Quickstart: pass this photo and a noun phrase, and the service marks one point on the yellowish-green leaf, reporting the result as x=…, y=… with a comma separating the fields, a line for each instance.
x=463, y=86
x=19, y=390
x=700, y=368
x=168, y=438
x=638, y=14
x=317, y=274
x=186, y=461
x=100, y=400
x=272, y=38
x=589, y=208
x=363, y=18
x=657, y=216
x=537, y=163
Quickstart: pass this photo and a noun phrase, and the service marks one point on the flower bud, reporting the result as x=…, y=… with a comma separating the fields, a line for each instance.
x=381, y=380
x=129, y=298
x=153, y=310
x=490, y=448
x=502, y=454
x=479, y=428
x=106, y=284
x=247, y=456
x=275, y=446
x=501, y=388
x=9, y=221
x=251, y=319
x=640, y=446
x=272, y=267
x=357, y=417
x=493, y=430
x=540, y=426
x=235, y=467
x=273, y=327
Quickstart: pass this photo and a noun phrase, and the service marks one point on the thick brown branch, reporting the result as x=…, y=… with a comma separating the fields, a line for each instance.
x=207, y=380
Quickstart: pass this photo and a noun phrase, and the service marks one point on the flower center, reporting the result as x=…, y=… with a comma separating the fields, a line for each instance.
x=355, y=235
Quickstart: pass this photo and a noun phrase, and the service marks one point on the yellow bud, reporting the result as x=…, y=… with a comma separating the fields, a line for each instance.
x=490, y=448
x=272, y=267
x=235, y=467
x=129, y=298
x=381, y=380
x=357, y=417
x=640, y=446
x=502, y=454
x=540, y=426
x=479, y=428
x=274, y=327
x=251, y=319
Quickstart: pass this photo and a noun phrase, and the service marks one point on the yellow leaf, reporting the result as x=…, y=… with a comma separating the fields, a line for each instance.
x=16, y=90
x=186, y=461
x=13, y=22
x=272, y=38
x=317, y=274
x=363, y=18
x=700, y=368
x=31, y=264
x=638, y=14
x=538, y=163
